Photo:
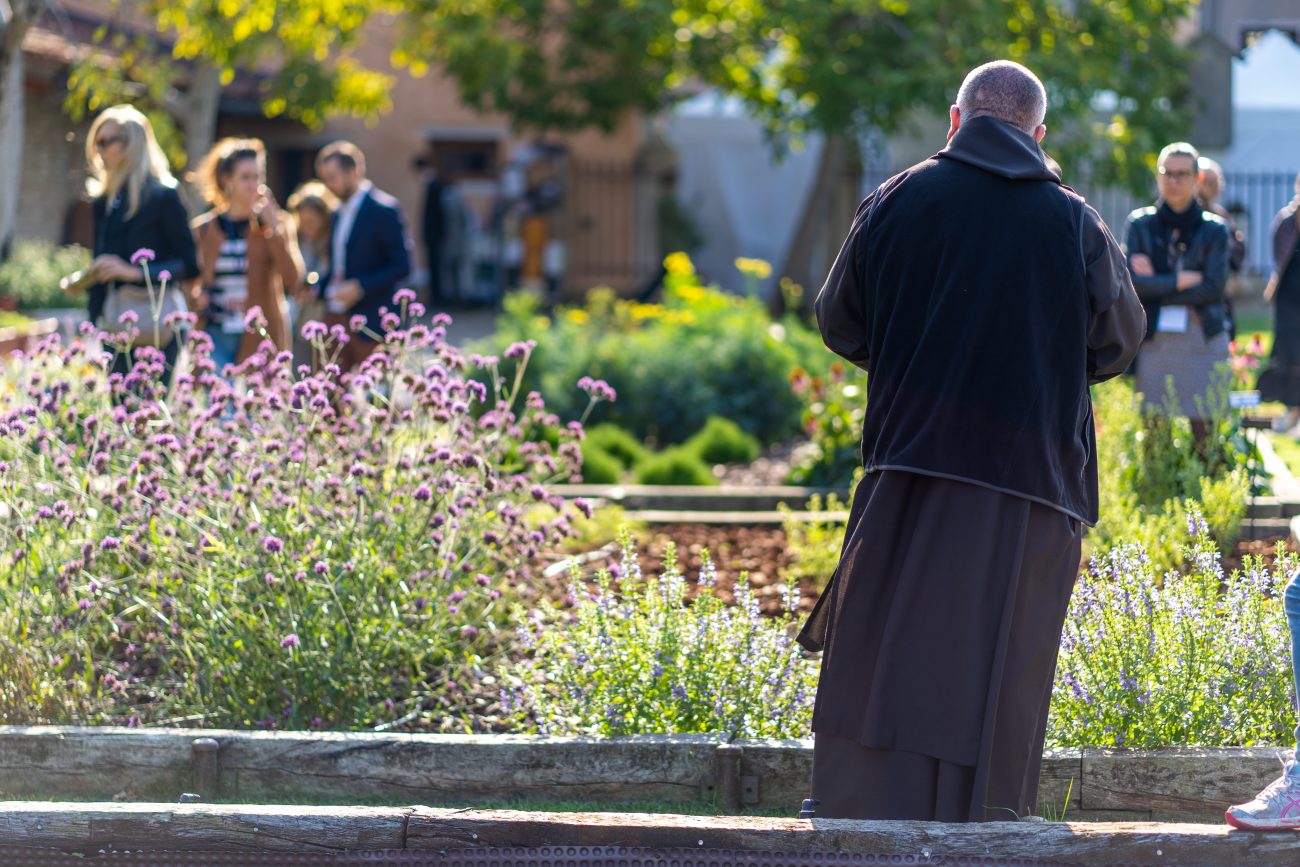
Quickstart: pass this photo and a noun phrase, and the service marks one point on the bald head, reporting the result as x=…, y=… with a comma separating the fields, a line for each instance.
x=1006, y=91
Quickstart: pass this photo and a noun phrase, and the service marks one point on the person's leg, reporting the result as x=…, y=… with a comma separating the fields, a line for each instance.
x=1291, y=604
x=225, y=347
x=1277, y=808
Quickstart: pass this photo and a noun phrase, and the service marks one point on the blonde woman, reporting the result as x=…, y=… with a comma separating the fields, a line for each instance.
x=248, y=256
x=135, y=206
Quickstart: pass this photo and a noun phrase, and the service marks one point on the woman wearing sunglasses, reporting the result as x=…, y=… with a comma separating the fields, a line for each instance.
x=136, y=207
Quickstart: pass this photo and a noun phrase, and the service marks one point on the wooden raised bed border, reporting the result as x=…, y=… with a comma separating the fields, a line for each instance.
x=1176, y=784
x=107, y=827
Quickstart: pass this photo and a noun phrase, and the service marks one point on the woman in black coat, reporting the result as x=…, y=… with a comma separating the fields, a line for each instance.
x=1178, y=257
x=136, y=206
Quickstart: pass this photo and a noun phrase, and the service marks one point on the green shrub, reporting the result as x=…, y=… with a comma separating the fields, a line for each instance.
x=13, y=319
x=834, y=407
x=638, y=659
x=618, y=444
x=1150, y=473
x=702, y=352
x=721, y=441
x=32, y=273
x=674, y=466
x=1192, y=658
x=814, y=545
x=599, y=467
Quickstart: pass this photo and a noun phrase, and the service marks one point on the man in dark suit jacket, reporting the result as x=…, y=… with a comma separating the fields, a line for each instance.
x=370, y=249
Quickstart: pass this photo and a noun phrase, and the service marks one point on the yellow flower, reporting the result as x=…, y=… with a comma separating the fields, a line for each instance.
x=646, y=311
x=679, y=265
x=756, y=268
x=577, y=316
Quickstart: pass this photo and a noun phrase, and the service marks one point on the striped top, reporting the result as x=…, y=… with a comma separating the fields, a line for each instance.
x=229, y=289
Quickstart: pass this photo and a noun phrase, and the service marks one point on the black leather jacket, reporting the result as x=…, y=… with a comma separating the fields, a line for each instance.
x=1206, y=251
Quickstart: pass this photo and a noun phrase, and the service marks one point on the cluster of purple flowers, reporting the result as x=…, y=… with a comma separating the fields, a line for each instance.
x=1188, y=657
x=661, y=655
x=230, y=520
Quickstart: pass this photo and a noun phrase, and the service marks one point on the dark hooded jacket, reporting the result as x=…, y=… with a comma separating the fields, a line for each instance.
x=983, y=297
x=1205, y=250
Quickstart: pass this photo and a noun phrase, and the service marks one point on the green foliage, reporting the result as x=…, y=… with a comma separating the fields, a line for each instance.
x=1181, y=658
x=721, y=441
x=32, y=272
x=679, y=465
x=13, y=319
x=1151, y=472
x=1115, y=73
x=814, y=545
x=637, y=659
x=599, y=467
x=702, y=352
x=303, y=49
x=617, y=443
x=834, y=407
x=605, y=524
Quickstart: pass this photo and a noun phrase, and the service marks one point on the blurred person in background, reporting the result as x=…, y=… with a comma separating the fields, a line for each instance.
x=1281, y=380
x=313, y=207
x=370, y=250
x=248, y=255
x=1178, y=256
x=135, y=206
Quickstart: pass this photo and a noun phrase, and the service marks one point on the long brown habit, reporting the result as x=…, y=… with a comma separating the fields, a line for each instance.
x=983, y=297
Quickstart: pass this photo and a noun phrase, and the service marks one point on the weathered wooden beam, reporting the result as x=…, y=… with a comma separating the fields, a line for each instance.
x=1074, y=843
x=95, y=762
x=214, y=827
x=1176, y=782
x=1180, y=784
x=468, y=768
x=84, y=827
x=101, y=762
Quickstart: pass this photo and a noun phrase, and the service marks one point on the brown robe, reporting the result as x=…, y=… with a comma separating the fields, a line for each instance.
x=940, y=631
x=274, y=264
x=983, y=299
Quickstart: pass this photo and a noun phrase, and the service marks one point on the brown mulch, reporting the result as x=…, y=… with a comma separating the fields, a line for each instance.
x=759, y=551
x=772, y=468
x=1264, y=548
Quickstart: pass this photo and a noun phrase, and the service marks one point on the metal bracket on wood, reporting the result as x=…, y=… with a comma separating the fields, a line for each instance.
x=728, y=785
x=205, y=767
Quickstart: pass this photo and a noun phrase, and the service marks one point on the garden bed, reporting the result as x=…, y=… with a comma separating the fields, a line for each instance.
x=400, y=835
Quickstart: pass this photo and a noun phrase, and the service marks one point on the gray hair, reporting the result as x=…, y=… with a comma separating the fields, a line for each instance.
x=1005, y=90
x=1178, y=149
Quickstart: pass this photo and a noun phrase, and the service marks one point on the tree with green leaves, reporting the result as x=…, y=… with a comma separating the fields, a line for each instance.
x=171, y=59
x=16, y=18
x=1116, y=76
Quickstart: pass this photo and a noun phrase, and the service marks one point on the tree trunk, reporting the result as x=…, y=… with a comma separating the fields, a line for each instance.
x=196, y=114
x=12, y=116
x=803, y=263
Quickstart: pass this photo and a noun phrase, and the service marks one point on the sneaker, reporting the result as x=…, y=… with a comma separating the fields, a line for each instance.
x=1277, y=808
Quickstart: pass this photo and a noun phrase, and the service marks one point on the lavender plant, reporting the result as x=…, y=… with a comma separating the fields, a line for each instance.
x=639, y=658
x=1181, y=658
x=275, y=548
